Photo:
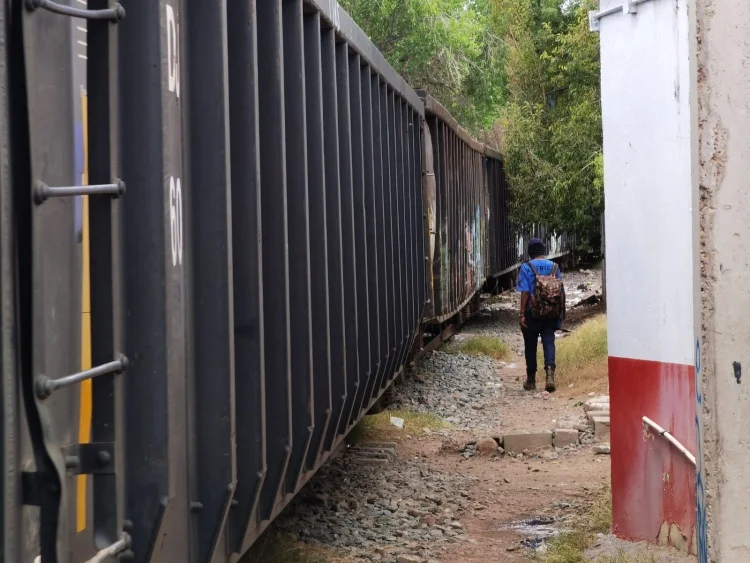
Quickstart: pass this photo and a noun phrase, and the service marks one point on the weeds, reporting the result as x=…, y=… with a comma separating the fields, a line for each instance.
x=482, y=346
x=570, y=547
x=599, y=518
x=581, y=358
x=380, y=425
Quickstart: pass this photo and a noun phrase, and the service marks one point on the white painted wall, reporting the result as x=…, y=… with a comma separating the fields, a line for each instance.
x=649, y=184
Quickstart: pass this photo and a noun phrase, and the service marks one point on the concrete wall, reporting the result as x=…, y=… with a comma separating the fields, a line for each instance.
x=724, y=94
x=649, y=110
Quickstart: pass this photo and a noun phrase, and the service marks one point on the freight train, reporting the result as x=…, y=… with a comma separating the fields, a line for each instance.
x=225, y=228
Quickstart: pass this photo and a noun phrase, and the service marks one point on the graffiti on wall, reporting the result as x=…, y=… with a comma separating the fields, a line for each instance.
x=701, y=528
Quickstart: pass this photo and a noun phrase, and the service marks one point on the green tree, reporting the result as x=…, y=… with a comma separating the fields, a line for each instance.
x=448, y=47
x=522, y=75
x=551, y=123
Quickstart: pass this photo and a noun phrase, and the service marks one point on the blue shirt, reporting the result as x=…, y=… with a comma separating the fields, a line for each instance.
x=526, y=277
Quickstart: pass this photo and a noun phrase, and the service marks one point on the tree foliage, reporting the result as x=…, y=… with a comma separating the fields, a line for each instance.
x=551, y=123
x=448, y=47
x=519, y=74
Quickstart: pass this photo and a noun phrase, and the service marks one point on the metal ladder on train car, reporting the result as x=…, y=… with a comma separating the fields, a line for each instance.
x=95, y=458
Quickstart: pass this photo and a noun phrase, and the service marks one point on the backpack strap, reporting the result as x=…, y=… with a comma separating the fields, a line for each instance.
x=533, y=269
x=554, y=269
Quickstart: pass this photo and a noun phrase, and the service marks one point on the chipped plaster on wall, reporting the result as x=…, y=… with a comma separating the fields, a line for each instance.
x=724, y=127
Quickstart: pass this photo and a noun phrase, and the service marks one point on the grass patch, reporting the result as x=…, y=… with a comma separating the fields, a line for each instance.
x=273, y=547
x=570, y=547
x=599, y=518
x=623, y=557
x=482, y=346
x=379, y=425
x=581, y=358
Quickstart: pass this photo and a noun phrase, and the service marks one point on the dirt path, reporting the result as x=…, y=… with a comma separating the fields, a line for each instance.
x=424, y=494
x=431, y=502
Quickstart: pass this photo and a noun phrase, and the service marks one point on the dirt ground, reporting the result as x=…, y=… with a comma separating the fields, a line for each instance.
x=514, y=490
x=436, y=503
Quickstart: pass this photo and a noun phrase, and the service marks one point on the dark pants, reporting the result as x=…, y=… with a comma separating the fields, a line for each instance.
x=536, y=328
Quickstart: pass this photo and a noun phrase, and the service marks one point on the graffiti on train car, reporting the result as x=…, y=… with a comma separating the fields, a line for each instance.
x=554, y=246
x=478, y=244
x=445, y=278
x=469, y=258
x=477, y=239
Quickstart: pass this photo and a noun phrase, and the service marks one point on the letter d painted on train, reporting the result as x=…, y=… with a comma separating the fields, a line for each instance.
x=173, y=52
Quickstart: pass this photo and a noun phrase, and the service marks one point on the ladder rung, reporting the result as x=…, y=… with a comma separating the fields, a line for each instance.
x=43, y=192
x=115, y=13
x=46, y=386
x=118, y=547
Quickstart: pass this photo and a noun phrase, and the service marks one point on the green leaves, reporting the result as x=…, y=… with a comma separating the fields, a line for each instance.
x=445, y=46
x=552, y=134
x=519, y=74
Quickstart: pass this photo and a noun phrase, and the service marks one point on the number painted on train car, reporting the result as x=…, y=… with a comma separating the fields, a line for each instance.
x=175, y=218
x=173, y=52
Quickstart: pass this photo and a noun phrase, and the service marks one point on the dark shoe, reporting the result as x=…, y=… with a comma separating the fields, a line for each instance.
x=550, y=387
x=530, y=383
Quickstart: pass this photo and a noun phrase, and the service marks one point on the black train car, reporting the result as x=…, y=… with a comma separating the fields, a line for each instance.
x=472, y=245
x=256, y=267
x=460, y=251
x=254, y=245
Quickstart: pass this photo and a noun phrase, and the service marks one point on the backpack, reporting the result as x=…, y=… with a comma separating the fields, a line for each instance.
x=547, y=299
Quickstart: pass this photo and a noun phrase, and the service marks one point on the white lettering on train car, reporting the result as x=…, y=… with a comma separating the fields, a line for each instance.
x=175, y=218
x=173, y=52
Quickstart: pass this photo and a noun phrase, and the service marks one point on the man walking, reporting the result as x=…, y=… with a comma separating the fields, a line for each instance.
x=542, y=311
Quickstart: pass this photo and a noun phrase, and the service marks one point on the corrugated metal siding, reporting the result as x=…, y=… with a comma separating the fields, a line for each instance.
x=465, y=242
x=264, y=274
x=296, y=283
x=474, y=238
x=10, y=329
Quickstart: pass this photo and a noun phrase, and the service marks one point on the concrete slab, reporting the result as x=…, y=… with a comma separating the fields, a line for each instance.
x=565, y=437
x=591, y=414
x=517, y=443
x=601, y=428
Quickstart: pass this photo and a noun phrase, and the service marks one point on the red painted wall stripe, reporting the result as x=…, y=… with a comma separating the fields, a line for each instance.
x=652, y=482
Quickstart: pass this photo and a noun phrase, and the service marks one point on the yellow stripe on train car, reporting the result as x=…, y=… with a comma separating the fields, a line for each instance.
x=84, y=418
